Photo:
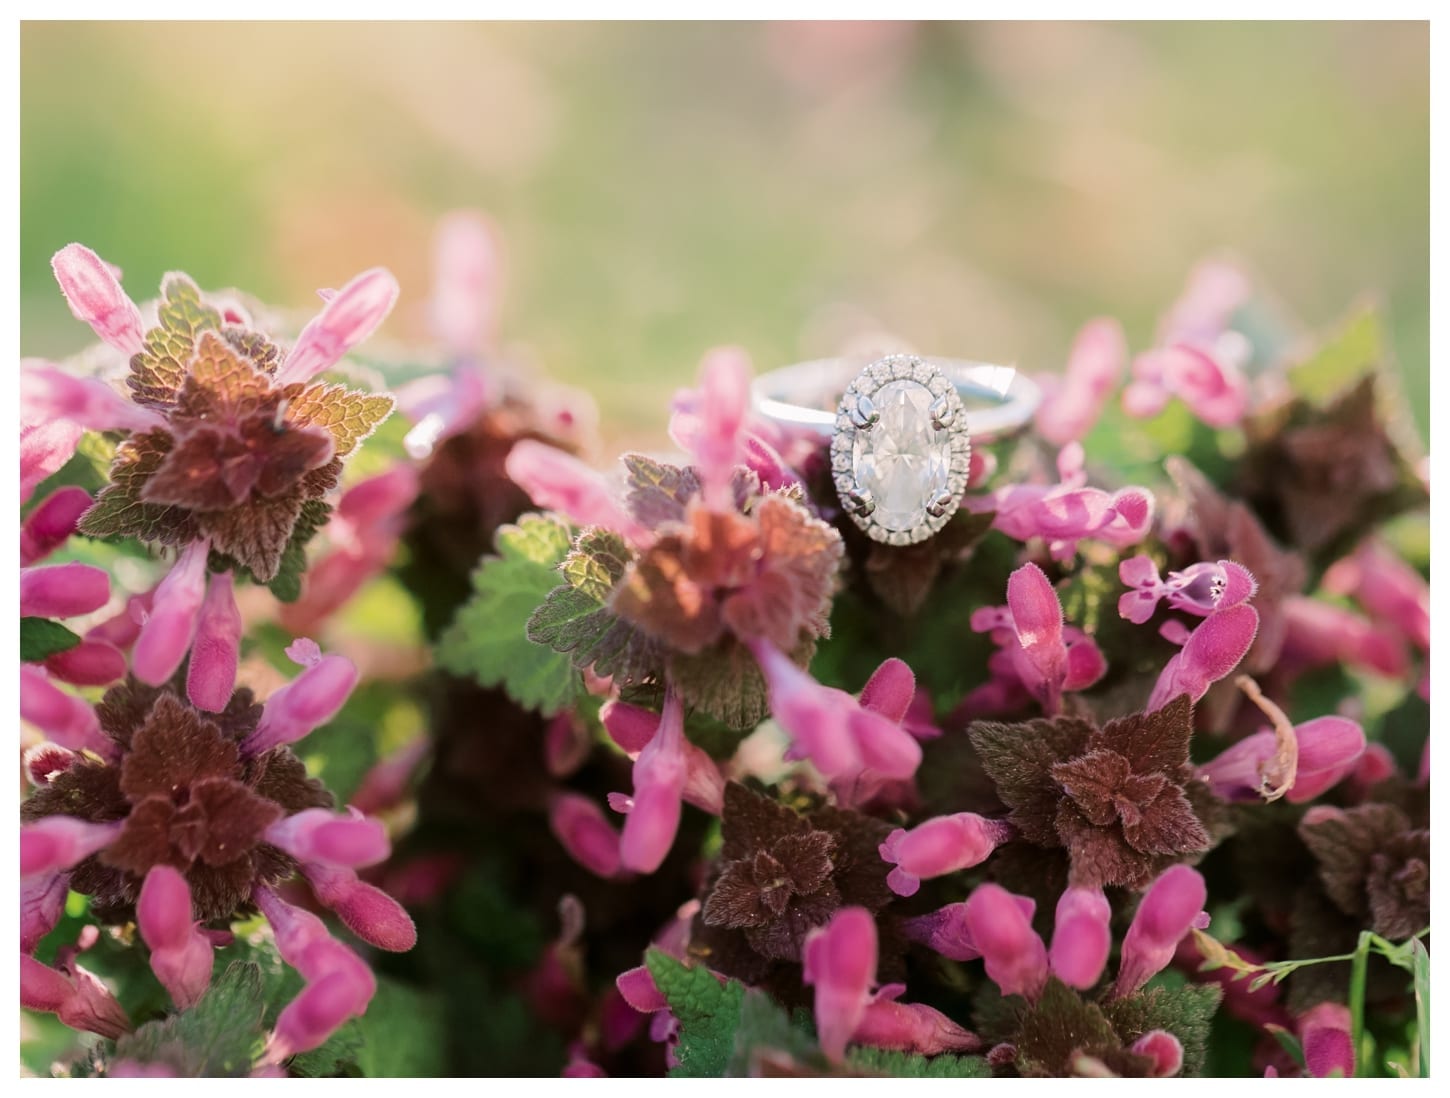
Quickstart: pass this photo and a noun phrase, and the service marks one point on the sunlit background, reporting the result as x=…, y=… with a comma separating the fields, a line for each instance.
x=976, y=189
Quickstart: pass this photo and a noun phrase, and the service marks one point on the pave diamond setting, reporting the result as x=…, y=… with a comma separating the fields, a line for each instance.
x=900, y=452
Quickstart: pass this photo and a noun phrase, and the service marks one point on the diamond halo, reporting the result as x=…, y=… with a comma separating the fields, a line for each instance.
x=900, y=451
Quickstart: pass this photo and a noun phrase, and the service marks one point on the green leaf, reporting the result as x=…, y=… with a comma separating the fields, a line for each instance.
x=220, y=1036
x=396, y=1038
x=911, y=1065
x=41, y=637
x=1422, y=1003
x=487, y=640
x=1287, y=1041
x=1337, y=364
x=158, y=371
x=765, y=1028
x=708, y=1012
x=1186, y=1012
x=575, y=619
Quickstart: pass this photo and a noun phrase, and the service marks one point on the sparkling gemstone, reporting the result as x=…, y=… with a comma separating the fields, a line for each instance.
x=903, y=461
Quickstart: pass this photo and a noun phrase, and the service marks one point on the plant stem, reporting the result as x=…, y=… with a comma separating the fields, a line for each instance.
x=1359, y=967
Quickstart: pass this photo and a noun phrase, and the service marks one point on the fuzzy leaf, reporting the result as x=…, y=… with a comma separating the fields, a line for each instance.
x=1058, y=1026
x=221, y=382
x=158, y=371
x=708, y=1012
x=1019, y=758
x=1186, y=1012
x=119, y=511
x=656, y=493
x=487, y=639
x=41, y=637
x=216, y=1038
x=1343, y=842
x=724, y=681
x=912, y=1065
x=351, y=415
x=765, y=1028
x=576, y=620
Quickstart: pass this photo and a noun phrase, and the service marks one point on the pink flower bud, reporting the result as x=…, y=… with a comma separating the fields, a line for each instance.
x=890, y=690
x=94, y=294
x=582, y=830
x=366, y=910
x=59, y=842
x=166, y=634
x=317, y=835
x=89, y=663
x=62, y=590
x=1081, y=939
x=386, y=783
x=839, y=961
x=940, y=846
x=1329, y=750
x=630, y=726
x=724, y=400
x=1325, y=1031
x=557, y=481
x=910, y=1027
x=1015, y=957
x=73, y=994
x=467, y=281
x=51, y=393
x=1388, y=588
x=348, y=318
x=639, y=990
x=215, y=652
x=1171, y=907
x=46, y=444
x=181, y=955
x=309, y=701
x=317, y=1012
x=42, y=900
x=659, y=781
x=945, y=930
x=51, y=522
x=63, y=717
x=1164, y=1049
x=1211, y=652
x=814, y=716
x=1094, y=366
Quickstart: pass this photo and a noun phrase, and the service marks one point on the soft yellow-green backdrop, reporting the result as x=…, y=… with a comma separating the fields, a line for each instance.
x=976, y=188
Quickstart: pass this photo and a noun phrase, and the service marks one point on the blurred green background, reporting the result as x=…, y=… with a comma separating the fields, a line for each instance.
x=977, y=189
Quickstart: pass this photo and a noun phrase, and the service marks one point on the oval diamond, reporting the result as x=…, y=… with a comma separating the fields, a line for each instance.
x=903, y=459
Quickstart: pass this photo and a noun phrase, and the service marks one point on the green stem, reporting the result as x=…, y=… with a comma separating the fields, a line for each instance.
x=1359, y=967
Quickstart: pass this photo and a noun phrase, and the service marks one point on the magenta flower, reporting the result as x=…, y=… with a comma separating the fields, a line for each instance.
x=940, y=846
x=840, y=963
x=1164, y=1049
x=1081, y=939
x=1200, y=589
x=1040, y=654
x=64, y=718
x=317, y=835
x=166, y=634
x=714, y=424
x=181, y=955
x=1326, y=1034
x=1014, y=955
x=910, y=1027
x=62, y=590
x=1209, y=653
x=42, y=901
x=309, y=701
x=659, y=784
x=1329, y=750
x=1172, y=906
x=349, y=316
x=1389, y=590
x=216, y=649
x=59, y=842
x=1319, y=633
x=73, y=994
x=582, y=830
x=50, y=523
x=93, y=291
x=633, y=728
x=1075, y=401
x=365, y=909
x=46, y=443
x=946, y=931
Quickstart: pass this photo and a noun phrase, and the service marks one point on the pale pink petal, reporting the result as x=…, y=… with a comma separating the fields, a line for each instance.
x=1094, y=366
x=839, y=961
x=582, y=830
x=166, y=634
x=1081, y=939
x=63, y=590
x=54, y=843
x=890, y=690
x=63, y=717
x=1015, y=957
x=181, y=955
x=558, y=481
x=317, y=835
x=42, y=902
x=46, y=444
x=95, y=296
x=659, y=780
x=911, y=1027
x=309, y=701
x=942, y=845
x=724, y=402
x=639, y=990
x=216, y=649
x=1172, y=906
x=51, y=522
x=1164, y=1049
x=48, y=392
x=347, y=319
x=467, y=282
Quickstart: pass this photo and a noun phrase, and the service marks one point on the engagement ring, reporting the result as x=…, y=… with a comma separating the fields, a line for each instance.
x=901, y=431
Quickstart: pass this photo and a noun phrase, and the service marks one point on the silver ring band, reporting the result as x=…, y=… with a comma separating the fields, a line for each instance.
x=804, y=396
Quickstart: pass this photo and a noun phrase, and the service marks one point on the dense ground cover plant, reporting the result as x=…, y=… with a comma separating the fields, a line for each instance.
x=1125, y=772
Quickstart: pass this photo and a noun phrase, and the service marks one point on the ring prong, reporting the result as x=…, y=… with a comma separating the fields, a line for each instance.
x=860, y=502
x=864, y=415
x=939, y=506
x=942, y=413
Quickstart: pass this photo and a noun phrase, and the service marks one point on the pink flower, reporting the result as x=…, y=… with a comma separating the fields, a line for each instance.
x=467, y=282
x=1200, y=589
x=63, y=717
x=1015, y=957
x=42, y=901
x=1389, y=589
x=1068, y=512
x=46, y=444
x=1318, y=633
x=582, y=829
x=317, y=835
x=1171, y=907
x=1329, y=750
x=386, y=783
x=720, y=408
x=59, y=842
x=1325, y=1031
x=349, y=317
x=910, y=1027
x=940, y=846
x=47, y=392
x=216, y=650
x=1042, y=654
x=181, y=955
x=51, y=522
x=638, y=988
x=1074, y=402
x=839, y=961
x=365, y=909
x=1164, y=1049
x=945, y=930
x=309, y=701
x=557, y=481
x=1209, y=653
x=659, y=783
x=1081, y=939
x=633, y=728
x=71, y=993
x=166, y=634
x=62, y=590
x=89, y=663
x=93, y=291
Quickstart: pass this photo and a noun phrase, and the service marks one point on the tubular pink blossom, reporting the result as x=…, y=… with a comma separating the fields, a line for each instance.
x=724, y=401
x=316, y=1014
x=1329, y=750
x=1065, y=513
x=582, y=830
x=1209, y=382
x=94, y=294
x=1319, y=633
x=46, y=444
x=309, y=701
x=1200, y=589
x=366, y=910
x=1015, y=957
x=660, y=773
x=62, y=590
x=910, y=1027
x=181, y=955
x=1081, y=939
x=317, y=835
x=1094, y=366
x=216, y=650
x=54, y=843
x=63, y=717
x=940, y=846
x=945, y=929
x=42, y=900
x=51, y=393
x=630, y=726
x=89, y=663
x=1164, y=1049
x=1388, y=589
x=1037, y=619
x=51, y=522
x=557, y=481
x=1211, y=652
x=74, y=995
x=467, y=282
x=348, y=318
x=1325, y=1031
x=566, y=745
x=890, y=690
x=166, y=635
x=386, y=783
x=1171, y=907
x=638, y=988
x=839, y=961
